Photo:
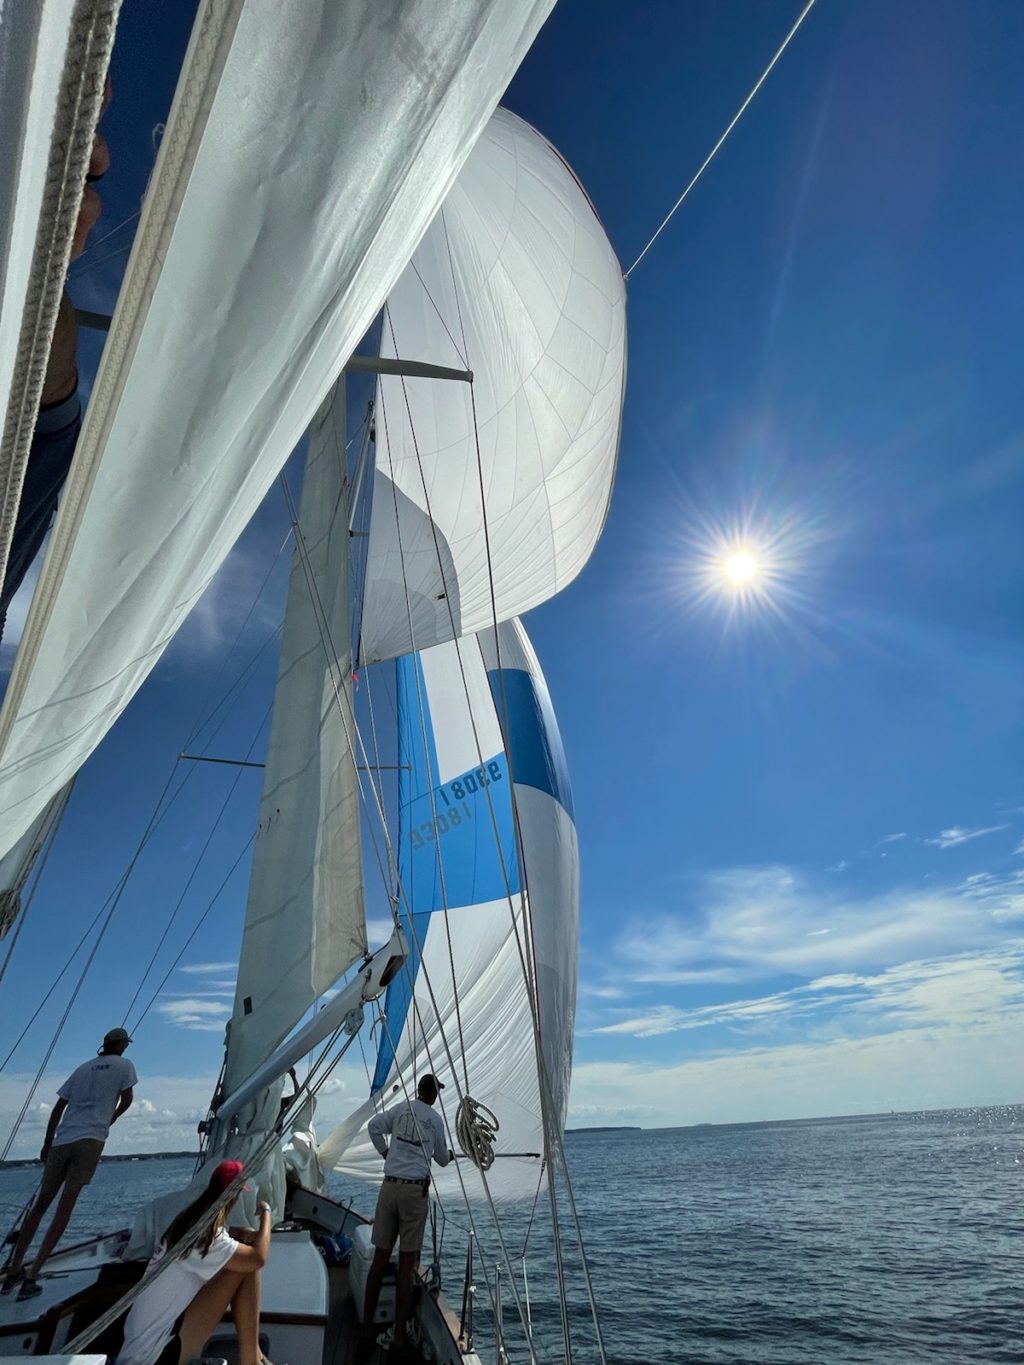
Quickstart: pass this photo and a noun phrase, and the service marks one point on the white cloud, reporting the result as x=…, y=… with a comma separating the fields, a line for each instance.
x=892, y=838
x=209, y=968
x=927, y=1066
x=195, y=1012
x=956, y=835
x=378, y=931
x=962, y=989
x=752, y=923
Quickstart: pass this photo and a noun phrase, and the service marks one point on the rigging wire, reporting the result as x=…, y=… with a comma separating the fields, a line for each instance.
x=334, y=670
x=240, y=773
x=202, y=920
x=718, y=145
x=422, y=968
x=528, y=960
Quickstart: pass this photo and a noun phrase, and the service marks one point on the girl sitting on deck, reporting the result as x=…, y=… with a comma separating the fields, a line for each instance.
x=175, y=1316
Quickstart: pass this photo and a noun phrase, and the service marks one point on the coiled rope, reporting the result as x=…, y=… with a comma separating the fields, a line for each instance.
x=476, y=1127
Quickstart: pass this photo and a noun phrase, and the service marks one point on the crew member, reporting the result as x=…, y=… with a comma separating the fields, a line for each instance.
x=417, y=1138
x=92, y=1098
x=177, y=1313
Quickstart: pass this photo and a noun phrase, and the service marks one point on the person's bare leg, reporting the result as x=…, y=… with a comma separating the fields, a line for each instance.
x=28, y=1230
x=203, y=1315
x=374, y=1280
x=68, y=1200
x=403, y=1294
x=245, y=1309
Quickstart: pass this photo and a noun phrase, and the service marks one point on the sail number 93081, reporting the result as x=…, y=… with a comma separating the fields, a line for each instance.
x=456, y=807
x=471, y=782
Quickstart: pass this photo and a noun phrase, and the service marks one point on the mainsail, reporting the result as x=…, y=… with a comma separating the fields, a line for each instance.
x=306, y=152
x=489, y=498
x=487, y=997
x=305, y=923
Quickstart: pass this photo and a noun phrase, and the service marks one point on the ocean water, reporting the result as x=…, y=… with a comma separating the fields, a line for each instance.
x=889, y=1239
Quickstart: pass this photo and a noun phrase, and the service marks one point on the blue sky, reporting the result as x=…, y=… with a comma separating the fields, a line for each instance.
x=799, y=817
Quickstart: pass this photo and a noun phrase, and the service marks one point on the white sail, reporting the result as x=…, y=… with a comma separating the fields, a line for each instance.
x=33, y=43
x=517, y=282
x=305, y=923
x=307, y=150
x=458, y=847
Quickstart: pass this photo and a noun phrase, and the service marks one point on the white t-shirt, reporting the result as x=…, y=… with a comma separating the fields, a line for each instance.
x=417, y=1136
x=92, y=1091
x=150, y=1323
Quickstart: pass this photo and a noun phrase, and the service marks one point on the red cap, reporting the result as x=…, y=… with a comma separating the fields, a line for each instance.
x=226, y=1172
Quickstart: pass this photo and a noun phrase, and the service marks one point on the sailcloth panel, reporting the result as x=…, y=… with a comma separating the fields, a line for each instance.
x=307, y=150
x=33, y=43
x=458, y=848
x=304, y=922
x=515, y=280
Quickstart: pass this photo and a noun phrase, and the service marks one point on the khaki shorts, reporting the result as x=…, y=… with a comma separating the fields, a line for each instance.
x=401, y=1216
x=73, y=1165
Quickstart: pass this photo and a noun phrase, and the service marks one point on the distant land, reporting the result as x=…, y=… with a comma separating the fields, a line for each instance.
x=622, y=1128
x=120, y=1156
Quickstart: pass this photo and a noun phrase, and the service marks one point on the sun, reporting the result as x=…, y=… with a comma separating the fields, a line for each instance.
x=741, y=568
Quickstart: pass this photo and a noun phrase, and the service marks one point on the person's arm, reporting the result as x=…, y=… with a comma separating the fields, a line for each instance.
x=254, y=1257
x=442, y=1152
x=56, y=1114
x=377, y=1127
x=124, y=1103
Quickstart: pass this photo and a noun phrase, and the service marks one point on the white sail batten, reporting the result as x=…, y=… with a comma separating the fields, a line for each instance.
x=458, y=848
x=307, y=150
x=516, y=281
x=305, y=923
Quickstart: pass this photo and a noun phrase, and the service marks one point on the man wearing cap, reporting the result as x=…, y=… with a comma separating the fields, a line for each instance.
x=417, y=1138
x=93, y=1097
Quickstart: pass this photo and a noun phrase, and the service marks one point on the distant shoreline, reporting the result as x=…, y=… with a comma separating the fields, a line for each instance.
x=607, y=1128
x=118, y=1156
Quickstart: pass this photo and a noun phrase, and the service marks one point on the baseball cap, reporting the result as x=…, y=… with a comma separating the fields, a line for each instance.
x=226, y=1172
x=431, y=1082
x=116, y=1035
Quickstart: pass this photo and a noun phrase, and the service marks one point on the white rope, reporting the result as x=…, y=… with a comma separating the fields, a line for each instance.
x=476, y=1127
x=715, y=149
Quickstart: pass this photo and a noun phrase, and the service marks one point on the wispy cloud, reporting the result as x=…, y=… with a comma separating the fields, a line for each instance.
x=209, y=968
x=892, y=838
x=957, y=834
x=195, y=1012
x=963, y=989
x=748, y=924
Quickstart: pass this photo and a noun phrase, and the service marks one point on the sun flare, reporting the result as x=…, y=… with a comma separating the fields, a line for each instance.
x=741, y=568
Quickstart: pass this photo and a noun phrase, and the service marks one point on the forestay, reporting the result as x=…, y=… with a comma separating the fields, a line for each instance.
x=305, y=922
x=458, y=849
x=500, y=487
x=307, y=150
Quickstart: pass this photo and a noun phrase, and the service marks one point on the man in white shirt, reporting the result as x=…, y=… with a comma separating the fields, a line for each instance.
x=92, y=1098
x=417, y=1138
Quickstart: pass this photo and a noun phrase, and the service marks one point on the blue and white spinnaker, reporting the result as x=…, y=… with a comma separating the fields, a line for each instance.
x=485, y=918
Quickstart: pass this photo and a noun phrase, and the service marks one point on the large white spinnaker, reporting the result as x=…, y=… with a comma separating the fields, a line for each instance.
x=307, y=150
x=501, y=487
x=465, y=980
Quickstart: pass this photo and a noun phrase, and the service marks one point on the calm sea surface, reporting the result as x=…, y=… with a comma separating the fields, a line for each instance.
x=890, y=1239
